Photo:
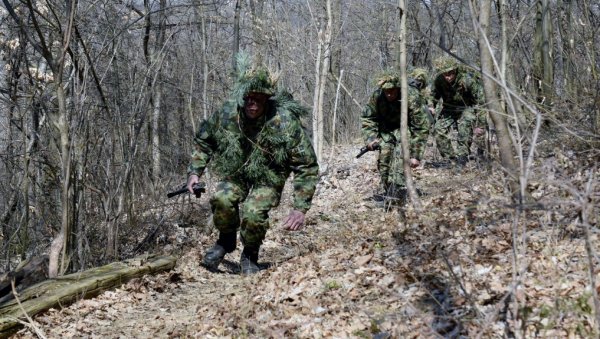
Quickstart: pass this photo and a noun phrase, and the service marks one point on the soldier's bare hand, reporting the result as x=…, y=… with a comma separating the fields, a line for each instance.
x=294, y=221
x=432, y=110
x=478, y=131
x=192, y=180
x=414, y=163
x=373, y=144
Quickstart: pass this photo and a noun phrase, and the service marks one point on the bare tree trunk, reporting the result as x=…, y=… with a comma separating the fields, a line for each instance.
x=258, y=29
x=507, y=72
x=543, y=68
x=322, y=69
x=205, y=70
x=62, y=243
x=156, y=58
x=333, y=121
x=315, y=114
x=567, y=45
x=404, y=107
x=497, y=113
x=235, y=48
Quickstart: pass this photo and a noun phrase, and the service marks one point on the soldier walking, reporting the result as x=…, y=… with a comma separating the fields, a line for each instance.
x=461, y=95
x=381, y=130
x=254, y=142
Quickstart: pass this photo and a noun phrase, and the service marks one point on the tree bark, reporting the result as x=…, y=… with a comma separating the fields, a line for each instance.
x=497, y=113
x=543, y=68
x=322, y=70
x=404, y=107
x=235, y=48
x=70, y=288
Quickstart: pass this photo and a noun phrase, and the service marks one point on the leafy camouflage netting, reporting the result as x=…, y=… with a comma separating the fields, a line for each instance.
x=388, y=79
x=252, y=78
x=445, y=64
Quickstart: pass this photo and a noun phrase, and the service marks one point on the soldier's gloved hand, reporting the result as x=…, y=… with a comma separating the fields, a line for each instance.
x=294, y=221
x=373, y=144
x=192, y=180
x=414, y=163
x=478, y=131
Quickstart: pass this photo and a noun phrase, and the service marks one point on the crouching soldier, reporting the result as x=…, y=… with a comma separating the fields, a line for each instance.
x=253, y=143
x=461, y=95
x=381, y=130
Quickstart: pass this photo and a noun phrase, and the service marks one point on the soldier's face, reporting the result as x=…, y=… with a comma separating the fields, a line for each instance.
x=450, y=76
x=391, y=94
x=254, y=105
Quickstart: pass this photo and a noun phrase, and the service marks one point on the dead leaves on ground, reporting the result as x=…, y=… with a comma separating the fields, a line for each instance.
x=358, y=271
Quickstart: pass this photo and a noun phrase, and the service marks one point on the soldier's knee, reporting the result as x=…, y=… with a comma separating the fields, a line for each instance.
x=253, y=216
x=222, y=201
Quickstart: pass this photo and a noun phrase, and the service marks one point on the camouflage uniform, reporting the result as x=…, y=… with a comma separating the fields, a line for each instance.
x=254, y=158
x=381, y=120
x=461, y=101
x=420, y=80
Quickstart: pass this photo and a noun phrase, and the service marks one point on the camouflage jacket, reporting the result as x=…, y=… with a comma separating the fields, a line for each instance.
x=381, y=119
x=261, y=152
x=466, y=91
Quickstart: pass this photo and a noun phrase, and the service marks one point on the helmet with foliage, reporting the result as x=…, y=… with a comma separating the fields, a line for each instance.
x=252, y=79
x=420, y=77
x=388, y=79
x=445, y=64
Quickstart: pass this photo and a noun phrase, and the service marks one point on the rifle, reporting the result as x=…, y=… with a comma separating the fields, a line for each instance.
x=198, y=188
x=366, y=149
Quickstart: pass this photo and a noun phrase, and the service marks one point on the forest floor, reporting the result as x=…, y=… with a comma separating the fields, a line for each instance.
x=467, y=264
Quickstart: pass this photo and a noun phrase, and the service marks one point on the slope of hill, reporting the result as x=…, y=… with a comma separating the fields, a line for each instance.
x=468, y=263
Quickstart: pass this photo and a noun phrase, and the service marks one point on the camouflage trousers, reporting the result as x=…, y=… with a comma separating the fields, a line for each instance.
x=390, y=164
x=237, y=206
x=464, y=121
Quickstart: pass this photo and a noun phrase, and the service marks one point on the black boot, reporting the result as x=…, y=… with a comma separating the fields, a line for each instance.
x=396, y=194
x=462, y=160
x=213, y=257
x=249, y=261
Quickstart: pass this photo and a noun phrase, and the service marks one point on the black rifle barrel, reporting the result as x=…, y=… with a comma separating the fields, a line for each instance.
x=362, y=152
x=365, y=149
x=198, y=190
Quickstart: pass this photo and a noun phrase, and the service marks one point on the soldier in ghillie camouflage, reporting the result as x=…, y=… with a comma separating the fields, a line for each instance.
x=461, y=94
x=253, y=143
x=419, y=79
x=381, y=129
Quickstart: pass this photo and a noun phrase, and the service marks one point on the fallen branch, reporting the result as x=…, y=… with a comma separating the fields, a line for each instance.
x=67, y=289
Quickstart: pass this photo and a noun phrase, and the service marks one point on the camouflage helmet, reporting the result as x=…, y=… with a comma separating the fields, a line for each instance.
x=252, y=79
x=388, y=79
x=445, y=64
x=257, y=80
x=420, y=75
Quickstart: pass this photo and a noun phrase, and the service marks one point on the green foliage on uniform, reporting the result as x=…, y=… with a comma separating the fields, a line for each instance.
x=418, y=78
x=270, y=147
x=285, y=101
x=445, y=64
x=388, y=79
x=251, y=78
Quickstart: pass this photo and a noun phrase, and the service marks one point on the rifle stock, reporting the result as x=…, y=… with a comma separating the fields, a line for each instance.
x=198, y=188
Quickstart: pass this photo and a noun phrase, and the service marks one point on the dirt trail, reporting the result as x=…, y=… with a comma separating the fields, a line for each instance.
x=355, y=271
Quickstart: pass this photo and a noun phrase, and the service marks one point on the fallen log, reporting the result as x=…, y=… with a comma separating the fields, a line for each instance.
x=64, y=290
x=28, y=273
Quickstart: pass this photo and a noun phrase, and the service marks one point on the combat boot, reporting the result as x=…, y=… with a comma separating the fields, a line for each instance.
x=396, y=194
x=249, y=261
x=462, y=160
x=213, y=257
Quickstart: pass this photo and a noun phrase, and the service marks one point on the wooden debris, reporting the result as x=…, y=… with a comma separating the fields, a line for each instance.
x=64, y=290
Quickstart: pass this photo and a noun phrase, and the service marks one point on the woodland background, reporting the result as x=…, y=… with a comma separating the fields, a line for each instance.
x=99, y=100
